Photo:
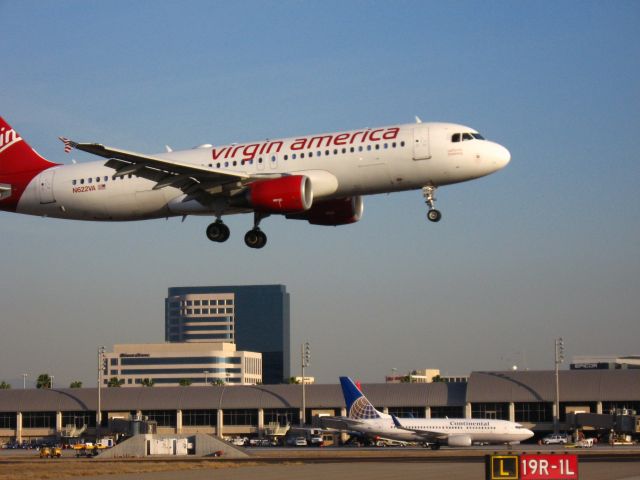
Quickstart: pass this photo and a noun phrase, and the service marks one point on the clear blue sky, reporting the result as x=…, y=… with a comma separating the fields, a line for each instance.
x=548, y=247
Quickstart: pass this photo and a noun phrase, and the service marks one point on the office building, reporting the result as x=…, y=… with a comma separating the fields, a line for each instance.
x=605, y=362
x=167, y=364
x=255, y=317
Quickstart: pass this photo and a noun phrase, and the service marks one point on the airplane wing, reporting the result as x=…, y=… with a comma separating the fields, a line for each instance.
x=191, y=179
x=427, y=434
x=339, y=423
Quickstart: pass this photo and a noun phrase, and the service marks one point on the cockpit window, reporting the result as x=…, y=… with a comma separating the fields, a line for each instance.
x=456, y=137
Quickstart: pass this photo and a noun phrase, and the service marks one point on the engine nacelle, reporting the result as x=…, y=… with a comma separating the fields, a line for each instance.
x=459, y=441
x=341, y=211
x=278, y=195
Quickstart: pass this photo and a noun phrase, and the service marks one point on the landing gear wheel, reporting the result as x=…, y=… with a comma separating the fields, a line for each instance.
x=218, y=232
x=255, y=238
x=435, y=446
x=434, y=215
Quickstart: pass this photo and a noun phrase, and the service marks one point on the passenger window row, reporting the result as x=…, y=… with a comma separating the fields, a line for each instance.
x=310, y=154
x=91, y=180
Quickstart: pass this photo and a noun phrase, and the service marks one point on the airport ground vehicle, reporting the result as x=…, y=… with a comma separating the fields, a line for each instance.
x=50, y=452
x=556, y=439
x=585, y=443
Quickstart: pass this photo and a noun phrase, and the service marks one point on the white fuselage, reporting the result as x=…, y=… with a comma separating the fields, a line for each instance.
x=363, y=162
x=478, y=430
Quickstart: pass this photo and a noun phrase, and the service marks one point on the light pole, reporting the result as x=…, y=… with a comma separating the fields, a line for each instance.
x=206, y=377
x=51, y=382
x=559, y=358
x=100, y=370
x=24, y=380
x=305, y=358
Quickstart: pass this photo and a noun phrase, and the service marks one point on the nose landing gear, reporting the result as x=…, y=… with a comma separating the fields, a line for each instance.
x=429, y=194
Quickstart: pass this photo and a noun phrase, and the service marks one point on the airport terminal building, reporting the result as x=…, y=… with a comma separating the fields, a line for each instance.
x=523, y=396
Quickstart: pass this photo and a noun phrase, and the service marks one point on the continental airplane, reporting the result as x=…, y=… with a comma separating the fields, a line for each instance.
x=455, y=432
x=318, y=178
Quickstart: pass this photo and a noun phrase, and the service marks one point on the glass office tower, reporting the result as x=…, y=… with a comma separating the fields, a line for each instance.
x=255, y=317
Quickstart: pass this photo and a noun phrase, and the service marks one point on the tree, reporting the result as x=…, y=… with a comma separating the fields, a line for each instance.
x=4, y=385
x=437, y=379
x=185, y=382
x=44, y=381
x=76, y=384
x=293, y=381
x=147, y=382
x=114, y=382
x=218, y=382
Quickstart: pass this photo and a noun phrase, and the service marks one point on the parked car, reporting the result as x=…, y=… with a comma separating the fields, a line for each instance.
x=556, y=439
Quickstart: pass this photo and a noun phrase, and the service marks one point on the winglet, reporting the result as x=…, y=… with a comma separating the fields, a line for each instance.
x=418, y=119
x=68, y=144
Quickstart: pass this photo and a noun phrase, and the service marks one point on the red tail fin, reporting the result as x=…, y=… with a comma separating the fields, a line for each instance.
x=19, y=164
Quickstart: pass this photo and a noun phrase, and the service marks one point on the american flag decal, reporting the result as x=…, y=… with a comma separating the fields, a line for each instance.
x=68, y=144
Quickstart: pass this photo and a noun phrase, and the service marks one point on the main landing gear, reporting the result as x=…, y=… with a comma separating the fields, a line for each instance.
x=256, y=238
x=218, y=231
x=429, y=194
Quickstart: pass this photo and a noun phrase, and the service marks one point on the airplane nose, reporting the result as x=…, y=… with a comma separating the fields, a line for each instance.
x=503, y=157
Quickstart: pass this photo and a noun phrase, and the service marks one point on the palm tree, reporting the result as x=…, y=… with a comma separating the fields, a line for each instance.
x=114, y=382
x=147, y=382
x=293, y=381
x=76, y=384
x=185, y=382
x=44, y=381
x=4, y=385
x=218, y=382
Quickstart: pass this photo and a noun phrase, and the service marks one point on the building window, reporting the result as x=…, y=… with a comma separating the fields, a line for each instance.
x=198, y=418
x=229, y=302
x=39, y=420
x=533, y=412
x=240, y=417
x=444, y=412
x=164, y=418
x=281, y=416
x=8, y=420
x=407, y=412
x=493, y=411
x=196, y=303
x=79, y=419
x=613, y=407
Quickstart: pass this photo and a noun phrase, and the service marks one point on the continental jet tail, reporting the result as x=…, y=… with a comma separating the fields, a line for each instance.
x=363, y=418
x=318, y=178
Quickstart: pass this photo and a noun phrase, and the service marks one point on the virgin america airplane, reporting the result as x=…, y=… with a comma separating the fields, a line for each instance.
x=318, y=178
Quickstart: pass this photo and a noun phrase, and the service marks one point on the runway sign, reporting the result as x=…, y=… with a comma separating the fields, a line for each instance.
x=531, y=467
